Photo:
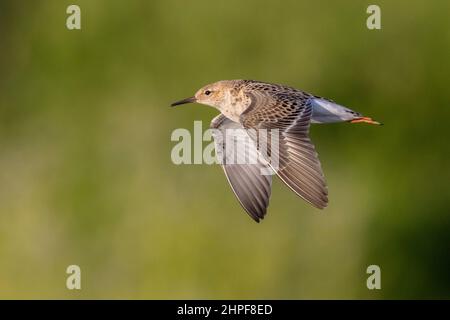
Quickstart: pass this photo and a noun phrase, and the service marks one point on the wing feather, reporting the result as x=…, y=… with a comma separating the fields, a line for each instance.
x=250, y=186
x=289, y=111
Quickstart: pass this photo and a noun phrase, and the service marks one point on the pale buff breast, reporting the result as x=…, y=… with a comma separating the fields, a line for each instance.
x=234, y=103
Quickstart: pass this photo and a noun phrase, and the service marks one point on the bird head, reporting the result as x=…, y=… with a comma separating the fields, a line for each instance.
x=214, y=95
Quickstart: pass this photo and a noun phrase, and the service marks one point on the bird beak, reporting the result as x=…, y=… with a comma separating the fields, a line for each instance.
x=187, y=100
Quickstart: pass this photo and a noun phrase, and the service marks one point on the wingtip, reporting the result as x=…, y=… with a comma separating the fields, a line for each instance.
x=256, y=219
x=318, y=205
x=322, y=207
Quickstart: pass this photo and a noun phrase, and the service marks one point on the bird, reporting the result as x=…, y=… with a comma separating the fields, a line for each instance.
x=251, y=106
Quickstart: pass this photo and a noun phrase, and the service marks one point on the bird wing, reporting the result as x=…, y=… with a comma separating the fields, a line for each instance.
x=251, y=187
x=288, y=110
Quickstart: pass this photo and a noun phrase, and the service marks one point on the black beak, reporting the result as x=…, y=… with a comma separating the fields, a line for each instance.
x=187, y=100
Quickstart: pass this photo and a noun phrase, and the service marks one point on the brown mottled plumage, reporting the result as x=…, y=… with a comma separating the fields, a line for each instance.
x=282, y=111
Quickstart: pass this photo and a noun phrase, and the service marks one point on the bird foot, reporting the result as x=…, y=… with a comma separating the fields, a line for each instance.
x=365, y=120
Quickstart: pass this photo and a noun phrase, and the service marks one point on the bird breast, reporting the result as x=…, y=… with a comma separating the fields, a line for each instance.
x=234, y=105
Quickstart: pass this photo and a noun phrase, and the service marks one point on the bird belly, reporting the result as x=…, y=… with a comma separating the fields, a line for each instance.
x=325, y=111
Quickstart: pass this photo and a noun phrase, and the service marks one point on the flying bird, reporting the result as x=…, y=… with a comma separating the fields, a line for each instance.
x=253, y=107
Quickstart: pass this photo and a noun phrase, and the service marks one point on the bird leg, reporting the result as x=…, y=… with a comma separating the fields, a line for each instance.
x=365, y=120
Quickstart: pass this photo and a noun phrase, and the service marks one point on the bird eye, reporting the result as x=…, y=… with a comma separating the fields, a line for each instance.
x=207, y=92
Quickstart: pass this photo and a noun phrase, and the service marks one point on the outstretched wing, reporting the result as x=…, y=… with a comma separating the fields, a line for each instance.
x=242, y=166
x=289, y=111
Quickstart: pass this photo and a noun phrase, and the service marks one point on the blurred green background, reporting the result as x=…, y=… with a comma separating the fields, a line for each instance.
x=85, y=170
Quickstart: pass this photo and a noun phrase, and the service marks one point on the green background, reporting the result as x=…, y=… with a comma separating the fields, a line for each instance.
x=86, y=176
